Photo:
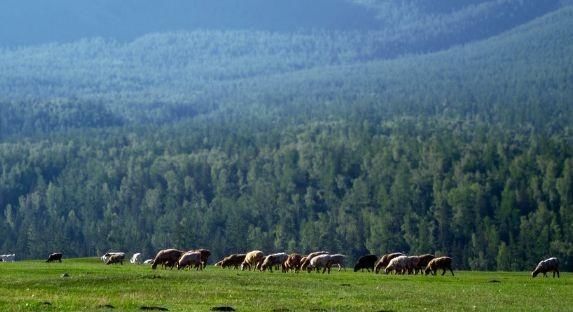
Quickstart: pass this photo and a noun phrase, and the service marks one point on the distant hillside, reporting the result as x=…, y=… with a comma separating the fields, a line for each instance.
x=167, y=77
x=402, y=27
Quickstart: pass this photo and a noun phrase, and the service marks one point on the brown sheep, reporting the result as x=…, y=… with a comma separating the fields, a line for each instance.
x=384, y=260
x=274, y=260
x=233, y=260
x=306, y=261
x=423, y=262
x=253, y=259
x=190, y=259
x=205, y=254
x=115, y=258
x=547, y=265
x=443, y=263
x=167, y=257
x=292, y=263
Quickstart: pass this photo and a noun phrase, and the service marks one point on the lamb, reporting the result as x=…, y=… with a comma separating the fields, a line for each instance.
x=115, y=258
x=547, y=265
x=366, y=262
x=57, y=256
x=306, y=260
x=292, y=263
x=167, y=257
x=443, y=263
x=252, y=260
x=190, y=259
x=399, y=265
x=385, y=260
x=275, y=259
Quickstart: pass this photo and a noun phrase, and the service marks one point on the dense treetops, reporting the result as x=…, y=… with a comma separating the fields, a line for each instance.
x=293, y=141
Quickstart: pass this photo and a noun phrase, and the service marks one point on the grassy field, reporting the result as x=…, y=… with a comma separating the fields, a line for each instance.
x=93, y=286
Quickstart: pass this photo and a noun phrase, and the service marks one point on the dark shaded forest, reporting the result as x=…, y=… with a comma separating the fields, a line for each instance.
x=296, y=141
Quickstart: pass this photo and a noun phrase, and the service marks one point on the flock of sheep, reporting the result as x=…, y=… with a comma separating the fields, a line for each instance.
x=397, y=263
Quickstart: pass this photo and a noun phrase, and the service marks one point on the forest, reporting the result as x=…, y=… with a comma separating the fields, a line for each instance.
x=345, y=140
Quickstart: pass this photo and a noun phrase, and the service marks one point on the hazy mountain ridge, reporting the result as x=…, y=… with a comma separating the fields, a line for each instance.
x=201, y=72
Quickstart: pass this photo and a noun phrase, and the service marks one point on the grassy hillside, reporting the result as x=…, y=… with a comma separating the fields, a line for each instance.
x=93, y=286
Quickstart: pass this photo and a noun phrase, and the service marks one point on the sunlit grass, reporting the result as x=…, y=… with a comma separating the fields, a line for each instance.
x=91, y=285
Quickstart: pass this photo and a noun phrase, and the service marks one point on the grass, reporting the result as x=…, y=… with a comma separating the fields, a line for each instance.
x=93, y=286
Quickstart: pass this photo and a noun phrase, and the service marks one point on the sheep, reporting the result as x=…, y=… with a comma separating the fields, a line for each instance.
x=444, y=263
x=366, y=262
x=190, y=258
x=399, y=265
x=107, y=255
x=423, y=262
x=57, y=256
x=411, y=264
x=306, y=260
x=292, y=263
x=274, y=260
x=135, y=259
x=115, y=258
x=253, y=259
x=205, y=254
x=167, y=257
x=385, y=260
x=234, y=260
x=336, y=259
x=547, y=265
x=318, y=262
x=148, y=261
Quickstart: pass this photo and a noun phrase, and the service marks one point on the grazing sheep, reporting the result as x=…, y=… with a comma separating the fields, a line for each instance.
x=318, y=262
x=253, y=260
x=292, y=263
x=115, y=258
x=547, y=265
x=190, y=259
x=366, y=262
x=443, y=263
x=398, y=265
x=107, y=255
x=276, y=259
x=337, y=259
x=411, y=264
x=306, y=260
x=57, y=256
x=423, y=261
x=234, y=260
x=167, y=258
x=385, y=260
x=136, y=258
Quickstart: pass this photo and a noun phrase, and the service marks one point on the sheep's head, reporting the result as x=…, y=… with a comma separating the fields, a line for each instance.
x=535, y=272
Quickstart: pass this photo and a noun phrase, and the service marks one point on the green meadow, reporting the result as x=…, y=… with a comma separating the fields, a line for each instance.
x=89, y=285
